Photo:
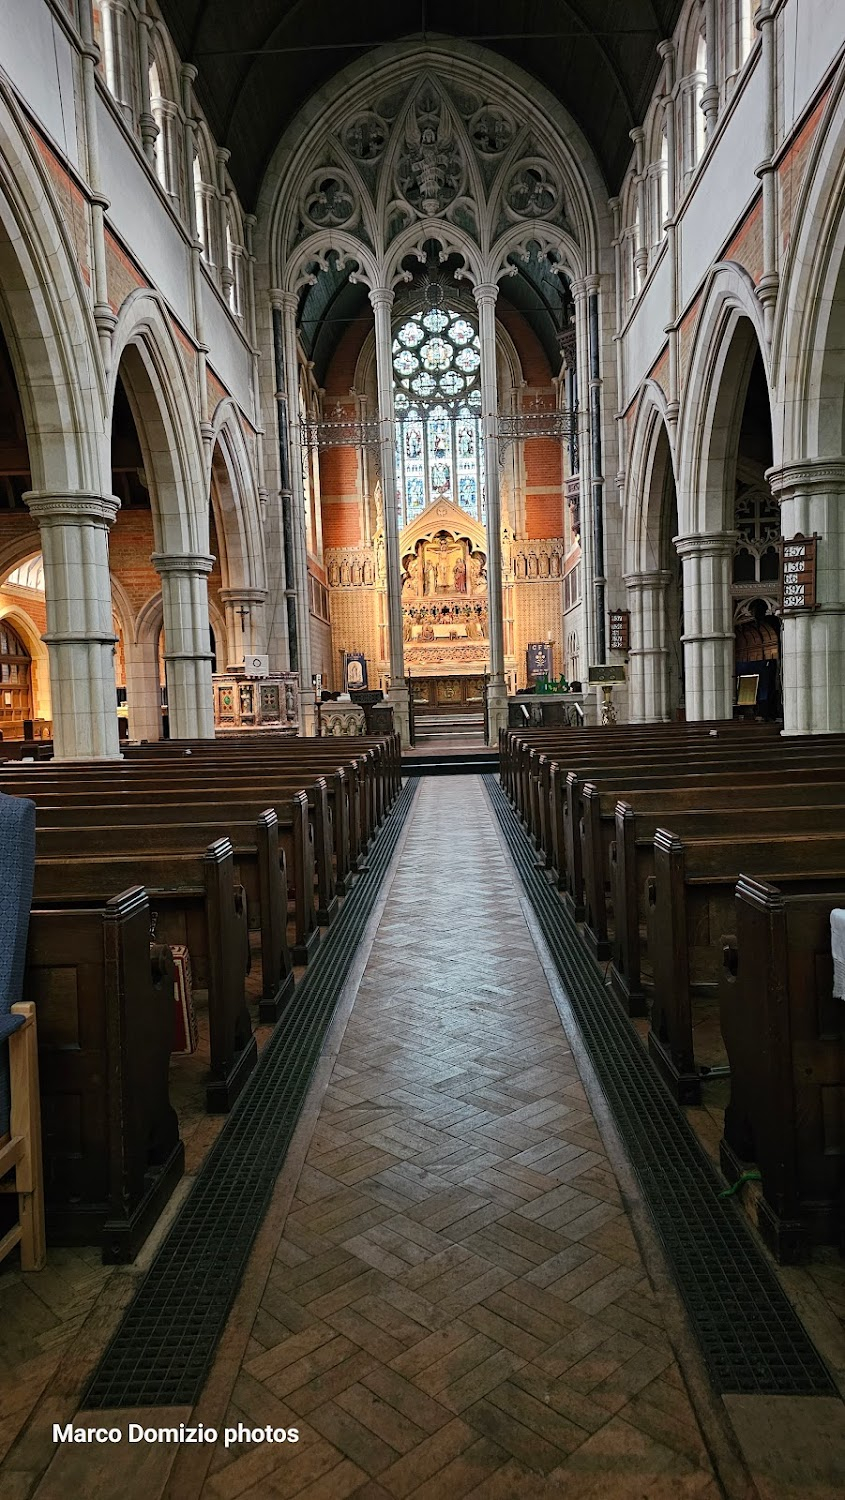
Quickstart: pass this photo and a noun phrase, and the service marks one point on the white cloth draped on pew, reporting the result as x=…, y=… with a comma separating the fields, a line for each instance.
x=837, y=948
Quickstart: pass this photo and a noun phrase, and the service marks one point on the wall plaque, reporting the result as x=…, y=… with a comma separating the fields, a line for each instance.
x=620, y=630
x=798, y=572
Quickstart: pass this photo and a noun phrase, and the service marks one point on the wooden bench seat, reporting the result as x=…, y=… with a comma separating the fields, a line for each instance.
x=259, y=863
x=630, y=854
x=302, y=816
x=196, y=901
x=690, y=904
x=104, y=998
x=785, y=1039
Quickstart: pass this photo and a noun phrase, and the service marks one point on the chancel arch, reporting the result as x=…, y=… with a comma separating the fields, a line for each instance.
x=433, y=197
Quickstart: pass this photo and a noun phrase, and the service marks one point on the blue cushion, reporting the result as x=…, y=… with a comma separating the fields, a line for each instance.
x=17, y=871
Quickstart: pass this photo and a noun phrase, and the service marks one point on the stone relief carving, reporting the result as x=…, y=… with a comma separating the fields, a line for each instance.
x=535, y=562
x=430, y=170
x=533, y=191
x=350, y=567
x=431, y=149
x=365, y=136
x=329, y=200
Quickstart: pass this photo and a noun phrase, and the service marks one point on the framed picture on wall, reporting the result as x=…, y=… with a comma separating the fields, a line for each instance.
x=355, y=671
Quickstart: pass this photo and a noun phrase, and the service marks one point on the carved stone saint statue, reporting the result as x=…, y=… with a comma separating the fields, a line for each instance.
x=460, y=576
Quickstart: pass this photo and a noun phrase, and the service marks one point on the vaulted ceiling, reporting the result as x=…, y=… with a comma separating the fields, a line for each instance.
x=260, y=60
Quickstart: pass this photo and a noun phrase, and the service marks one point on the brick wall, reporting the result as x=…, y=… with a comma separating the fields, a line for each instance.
x=71, y=202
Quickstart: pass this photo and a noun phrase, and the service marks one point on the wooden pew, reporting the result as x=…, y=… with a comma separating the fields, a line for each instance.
x=785, y=1037
x=258, y=862
x=104, y=999
x=302, y=821
x=194, y=895
x=690, y=904
x=724, y=766
x=630, y=853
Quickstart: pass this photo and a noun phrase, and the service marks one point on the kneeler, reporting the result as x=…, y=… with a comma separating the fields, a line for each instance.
x=21, y=1170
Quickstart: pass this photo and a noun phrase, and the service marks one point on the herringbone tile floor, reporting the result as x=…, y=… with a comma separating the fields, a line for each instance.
x=457, y=1304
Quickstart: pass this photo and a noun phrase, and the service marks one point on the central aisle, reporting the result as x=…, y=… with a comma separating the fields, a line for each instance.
x=457, y=1304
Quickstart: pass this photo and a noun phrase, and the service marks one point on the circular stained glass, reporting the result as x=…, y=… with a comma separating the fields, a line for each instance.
x=411, y=335
x=468, y=360
x=405, y=363
x=461, y=332
x=437, y=354
x=435, y=321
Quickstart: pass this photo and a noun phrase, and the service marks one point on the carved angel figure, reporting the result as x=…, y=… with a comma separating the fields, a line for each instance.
x=429, y=171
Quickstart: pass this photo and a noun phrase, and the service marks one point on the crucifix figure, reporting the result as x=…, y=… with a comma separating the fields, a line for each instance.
x=244, y=614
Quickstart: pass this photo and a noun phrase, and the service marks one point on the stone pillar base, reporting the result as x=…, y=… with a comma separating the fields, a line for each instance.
x=497, y=712
x=397, y=697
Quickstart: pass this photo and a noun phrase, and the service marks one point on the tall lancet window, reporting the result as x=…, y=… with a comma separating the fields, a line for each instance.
x=437, y=400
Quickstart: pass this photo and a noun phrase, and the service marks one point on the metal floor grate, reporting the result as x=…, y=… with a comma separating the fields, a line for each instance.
x=751, y=1338
x=162, y=1351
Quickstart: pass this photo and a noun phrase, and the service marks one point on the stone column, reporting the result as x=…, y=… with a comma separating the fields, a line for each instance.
x=245, y=636
x=143, y=689
x=642, y=244
x=767, y=287
x=812, y=501
x=187, y=642
x=648, y=658
x=382, y=302
x=710, y=93
x=146, y=119
x=80, y=634
x=708, y=637
x=287, y=302
x=497, y=698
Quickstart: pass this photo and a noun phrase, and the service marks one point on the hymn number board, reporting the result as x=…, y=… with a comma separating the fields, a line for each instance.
x=798, y=572
x=620, y=630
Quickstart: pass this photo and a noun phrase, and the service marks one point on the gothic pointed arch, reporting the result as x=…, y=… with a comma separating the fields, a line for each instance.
x=151, y=366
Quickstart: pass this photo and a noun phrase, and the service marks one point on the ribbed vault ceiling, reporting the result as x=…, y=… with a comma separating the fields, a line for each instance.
x=260, y=61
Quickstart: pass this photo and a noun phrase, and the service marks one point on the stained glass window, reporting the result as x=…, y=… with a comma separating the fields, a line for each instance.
x=436, y=362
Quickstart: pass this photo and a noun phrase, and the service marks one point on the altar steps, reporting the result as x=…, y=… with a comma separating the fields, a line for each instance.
x=446, y=726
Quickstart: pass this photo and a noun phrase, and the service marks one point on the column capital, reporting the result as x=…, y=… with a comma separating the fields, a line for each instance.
x=245, y=596
x=666, y=49
x=592, y=283
x=282, y=301
x=182, y=562
x=654, y=578
x=72, y=506
x=808, y=474
x=486, y=291
x=710, y=544
x=381, y=296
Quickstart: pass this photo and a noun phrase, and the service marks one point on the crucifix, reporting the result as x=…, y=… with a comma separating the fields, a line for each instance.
x=244, y=614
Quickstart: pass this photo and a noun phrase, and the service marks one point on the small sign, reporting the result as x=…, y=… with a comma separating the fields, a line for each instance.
x=606, y=674
x=355, y=671
x=620, y=630
x=257, y=666
x=798, y=572
x=538, y=659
